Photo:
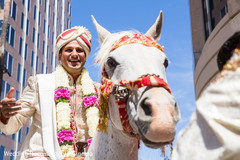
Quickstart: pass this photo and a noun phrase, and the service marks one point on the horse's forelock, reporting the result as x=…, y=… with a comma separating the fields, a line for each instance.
x=107, y=44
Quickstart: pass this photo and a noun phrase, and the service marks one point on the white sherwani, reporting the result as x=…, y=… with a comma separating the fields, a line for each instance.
x=37, y=101
x=214, y=129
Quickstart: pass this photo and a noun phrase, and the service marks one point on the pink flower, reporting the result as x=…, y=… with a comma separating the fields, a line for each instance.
x=65, y=135
x=62, y=93
x=90, y=101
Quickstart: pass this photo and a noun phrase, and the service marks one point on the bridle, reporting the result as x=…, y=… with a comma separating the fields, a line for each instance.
x=124, y=88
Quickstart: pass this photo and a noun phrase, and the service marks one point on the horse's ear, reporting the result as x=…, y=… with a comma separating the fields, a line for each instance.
x=102, y=32
x=155, y=31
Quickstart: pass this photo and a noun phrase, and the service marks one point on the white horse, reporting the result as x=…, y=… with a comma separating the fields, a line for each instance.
x=151, y=111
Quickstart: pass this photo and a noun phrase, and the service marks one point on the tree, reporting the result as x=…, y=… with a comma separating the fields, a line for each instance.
x=7, y=5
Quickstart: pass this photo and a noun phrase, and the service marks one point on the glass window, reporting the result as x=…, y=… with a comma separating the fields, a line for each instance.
x=68, y=5
x=8, y=33
x=29, y=4
x=42, y=67
x=8, y=87
x=47, y=52
x=44, y=26
x=52, y=37
x=26, y=51
x=22, y=20
x=10, y=64
x=19, y=135
x=20, y=46
x=224, y=11
x=37, y=64
x=211, y=4
x=39, y=19
x=2, y=150
x=14, y=11
x=51, y=58
x=43, y=47
x=45, y=6
x=38, y=40
x=12, y=39
x=33, y=36
x=24, y=77
x=13, y=136
x=27, y=30
x=5, y=59
x=32, y=59
x=19, y=72
x=2, y=4
x=68, y=23
x=23, y=2
x=48, y=31
x=35, y=10
x=49, y=11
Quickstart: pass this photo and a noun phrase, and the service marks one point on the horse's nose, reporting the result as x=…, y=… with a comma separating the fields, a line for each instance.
x=157, y=114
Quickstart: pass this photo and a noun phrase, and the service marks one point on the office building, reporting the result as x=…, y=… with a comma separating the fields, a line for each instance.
x=212, y=23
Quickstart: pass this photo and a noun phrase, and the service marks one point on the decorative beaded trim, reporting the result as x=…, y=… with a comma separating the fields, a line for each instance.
x=136, y=38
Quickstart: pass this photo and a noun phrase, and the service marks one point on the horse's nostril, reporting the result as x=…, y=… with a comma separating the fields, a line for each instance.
x=145, y=111
x=146, y=107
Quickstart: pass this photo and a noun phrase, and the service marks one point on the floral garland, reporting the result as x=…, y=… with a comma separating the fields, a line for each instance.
x=66, y=126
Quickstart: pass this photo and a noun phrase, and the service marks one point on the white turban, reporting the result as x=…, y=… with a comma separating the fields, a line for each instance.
x=78, y=33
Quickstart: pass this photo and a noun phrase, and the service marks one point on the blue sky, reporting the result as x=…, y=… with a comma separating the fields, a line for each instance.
x=175, y=37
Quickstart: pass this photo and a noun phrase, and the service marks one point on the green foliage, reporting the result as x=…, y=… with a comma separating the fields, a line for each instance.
x=65, y=143
x=91, y=94
x=64, y=100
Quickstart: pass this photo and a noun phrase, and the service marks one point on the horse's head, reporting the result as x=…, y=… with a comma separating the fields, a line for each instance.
x=137, y=63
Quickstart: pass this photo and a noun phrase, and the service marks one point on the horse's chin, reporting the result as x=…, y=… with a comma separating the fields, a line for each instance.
x=151, y=144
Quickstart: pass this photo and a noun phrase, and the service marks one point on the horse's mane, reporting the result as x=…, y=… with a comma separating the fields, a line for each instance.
x=107, y=44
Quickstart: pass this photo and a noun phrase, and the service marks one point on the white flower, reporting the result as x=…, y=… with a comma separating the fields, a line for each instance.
x=61, y=77
x=87, y=83
x=63, y=107
x=63, y=115
x=63, y=124
x=67, y=151
x=92, y=120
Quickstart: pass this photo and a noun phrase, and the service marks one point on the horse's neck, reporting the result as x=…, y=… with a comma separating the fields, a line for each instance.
x=113, y=145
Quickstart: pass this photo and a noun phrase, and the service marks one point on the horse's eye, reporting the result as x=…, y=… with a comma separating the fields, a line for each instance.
x=112, y=63
x=165, y=63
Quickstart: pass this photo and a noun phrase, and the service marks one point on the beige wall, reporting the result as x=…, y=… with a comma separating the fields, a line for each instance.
x=206, y=67
x=198, y=38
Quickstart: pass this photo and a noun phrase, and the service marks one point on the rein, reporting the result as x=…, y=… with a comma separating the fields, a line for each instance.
x=122, y=95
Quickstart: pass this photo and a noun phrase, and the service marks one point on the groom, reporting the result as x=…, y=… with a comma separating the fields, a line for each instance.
x=63, y=104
